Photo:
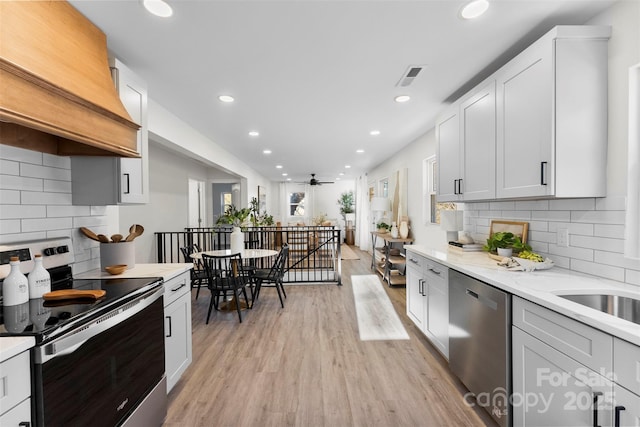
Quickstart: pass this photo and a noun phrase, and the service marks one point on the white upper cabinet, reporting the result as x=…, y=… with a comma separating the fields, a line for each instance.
x=467, y=145
x=536, y=128
x=117, y=180
x=449, y=173
x=552, y=117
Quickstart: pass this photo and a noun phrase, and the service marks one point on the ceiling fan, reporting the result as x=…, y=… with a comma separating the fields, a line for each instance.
x=314, y=181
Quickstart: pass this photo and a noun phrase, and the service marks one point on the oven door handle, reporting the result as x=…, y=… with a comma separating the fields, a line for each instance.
x=73, y=340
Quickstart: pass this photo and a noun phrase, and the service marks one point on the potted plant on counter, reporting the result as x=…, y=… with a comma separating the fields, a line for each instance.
x=504, y=243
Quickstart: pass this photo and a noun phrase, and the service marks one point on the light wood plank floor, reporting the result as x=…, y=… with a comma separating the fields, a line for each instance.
x=304, y=365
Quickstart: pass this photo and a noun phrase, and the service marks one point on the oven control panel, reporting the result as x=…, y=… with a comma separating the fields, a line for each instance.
x=55, y=252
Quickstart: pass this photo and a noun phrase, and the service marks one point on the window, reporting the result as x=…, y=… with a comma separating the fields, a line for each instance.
x=296, y=204
x=384, y=187
x=227, y=201
x=431, y=208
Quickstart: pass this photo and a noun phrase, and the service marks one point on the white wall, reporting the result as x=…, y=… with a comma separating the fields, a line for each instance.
x=168, y=208
x=596, y=226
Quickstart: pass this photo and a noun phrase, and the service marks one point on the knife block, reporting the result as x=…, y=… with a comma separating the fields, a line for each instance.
x=117, y=253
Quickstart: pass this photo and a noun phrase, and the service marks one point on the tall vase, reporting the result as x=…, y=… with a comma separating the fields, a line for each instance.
x=394, y=230
x=237, y=240
x=404, y=229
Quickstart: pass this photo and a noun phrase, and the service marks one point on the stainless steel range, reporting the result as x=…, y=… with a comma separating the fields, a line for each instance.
x=98, y=362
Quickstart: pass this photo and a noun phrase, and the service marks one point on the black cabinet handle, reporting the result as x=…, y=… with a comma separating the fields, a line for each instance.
x=617, y=418
x=169, y=317
x=455, y=186
x=543, y=174
x=460, y=186
x=434, y=271
x=24, y=424
x=127, y=190
x=420, y=286
x=596, y=394
x=179, y=287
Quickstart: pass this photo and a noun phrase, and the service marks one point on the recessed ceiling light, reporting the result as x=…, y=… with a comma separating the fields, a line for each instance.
x=278, y=166
x=341, y=173
x=337, y=179
x=360, y=151
x=347, y=166
x=158, y=7
x=284, y=174
x=288, y=179
x=374, y=133
x=254, y=133
x=402, y=98
x=226, y=98
x=474, y=9
x=266, y=151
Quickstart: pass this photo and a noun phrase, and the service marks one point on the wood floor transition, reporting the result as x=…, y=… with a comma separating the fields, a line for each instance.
x=305, y=365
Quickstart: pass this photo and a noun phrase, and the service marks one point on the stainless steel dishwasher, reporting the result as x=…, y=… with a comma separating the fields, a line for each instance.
x=480, y=343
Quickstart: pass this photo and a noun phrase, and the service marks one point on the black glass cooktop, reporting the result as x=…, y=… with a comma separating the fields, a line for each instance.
x=43, y=319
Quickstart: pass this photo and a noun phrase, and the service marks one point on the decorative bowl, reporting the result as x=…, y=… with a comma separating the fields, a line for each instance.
x=116, y=269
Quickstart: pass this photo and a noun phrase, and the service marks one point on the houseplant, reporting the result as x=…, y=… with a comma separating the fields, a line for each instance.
x=256, y=217
x=233, y=216
x=504, y=240
x=346, y=204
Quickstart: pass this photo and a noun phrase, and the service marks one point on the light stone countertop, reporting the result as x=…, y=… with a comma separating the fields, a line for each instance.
x=165, y=270
x=542, y=287
x=11, y=346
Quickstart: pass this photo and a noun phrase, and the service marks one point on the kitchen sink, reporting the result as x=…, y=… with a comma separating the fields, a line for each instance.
x=620, y=306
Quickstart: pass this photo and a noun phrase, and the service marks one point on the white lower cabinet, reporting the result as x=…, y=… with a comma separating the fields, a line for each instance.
x=177, y=327
x=15, y=391
x=428, y=299
x=566, y=373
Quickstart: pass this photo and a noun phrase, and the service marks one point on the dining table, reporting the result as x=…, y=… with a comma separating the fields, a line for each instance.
x=250, y=254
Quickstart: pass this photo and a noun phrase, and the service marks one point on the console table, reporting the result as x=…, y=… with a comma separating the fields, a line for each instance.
x=391, y=263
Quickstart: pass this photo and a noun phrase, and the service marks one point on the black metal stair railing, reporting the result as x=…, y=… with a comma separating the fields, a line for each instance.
x=314, y=251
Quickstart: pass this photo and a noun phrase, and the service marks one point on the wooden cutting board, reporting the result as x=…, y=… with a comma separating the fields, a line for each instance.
x=74, y=294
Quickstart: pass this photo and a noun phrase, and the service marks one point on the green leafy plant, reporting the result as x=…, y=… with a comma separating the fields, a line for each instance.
x=383, y=226
x=256, y=217
x=505, y=239
x=346, y=203
x=234, y=216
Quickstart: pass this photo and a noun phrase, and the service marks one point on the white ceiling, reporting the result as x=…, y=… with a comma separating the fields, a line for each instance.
x=315, y=77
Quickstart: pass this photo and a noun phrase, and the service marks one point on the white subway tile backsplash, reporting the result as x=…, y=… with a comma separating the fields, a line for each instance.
x=46, y=172
x=598, y=217
x=542, y=236
x=551, y=215
x=44, y=224
x=599, y=243
x=60, y=211
x=41, y=198
x=9, y=226
x=611, y=203
x=54, y=186
x=62, y=162
x=20, y=154
x=9, y=168
x=533, y=205
x=36, y=203
x=571, y=252
x=596, y=232
x=12, y=182
x=572, y=205
x=600, y=270
x=605, y=230
x=502, y=206
x=574, y=228
x=616, y=259
x=21, y=237
x=632, y=277
x=10, y=197
x=22, y=211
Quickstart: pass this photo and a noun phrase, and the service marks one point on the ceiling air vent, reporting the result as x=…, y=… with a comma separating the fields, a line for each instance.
x=410, y=73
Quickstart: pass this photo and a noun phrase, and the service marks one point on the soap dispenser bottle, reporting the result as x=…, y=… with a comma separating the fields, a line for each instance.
x=39, y=279
x=15, y=287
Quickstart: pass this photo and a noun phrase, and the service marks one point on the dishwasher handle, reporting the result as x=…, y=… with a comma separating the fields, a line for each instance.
x=471, y=293
x=493, y=305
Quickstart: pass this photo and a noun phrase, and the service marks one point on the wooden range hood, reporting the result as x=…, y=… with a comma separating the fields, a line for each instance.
x=56, y=91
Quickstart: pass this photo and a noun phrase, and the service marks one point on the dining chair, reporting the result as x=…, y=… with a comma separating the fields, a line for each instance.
x=226, y=275
x=273, y=276
x=198, y=274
